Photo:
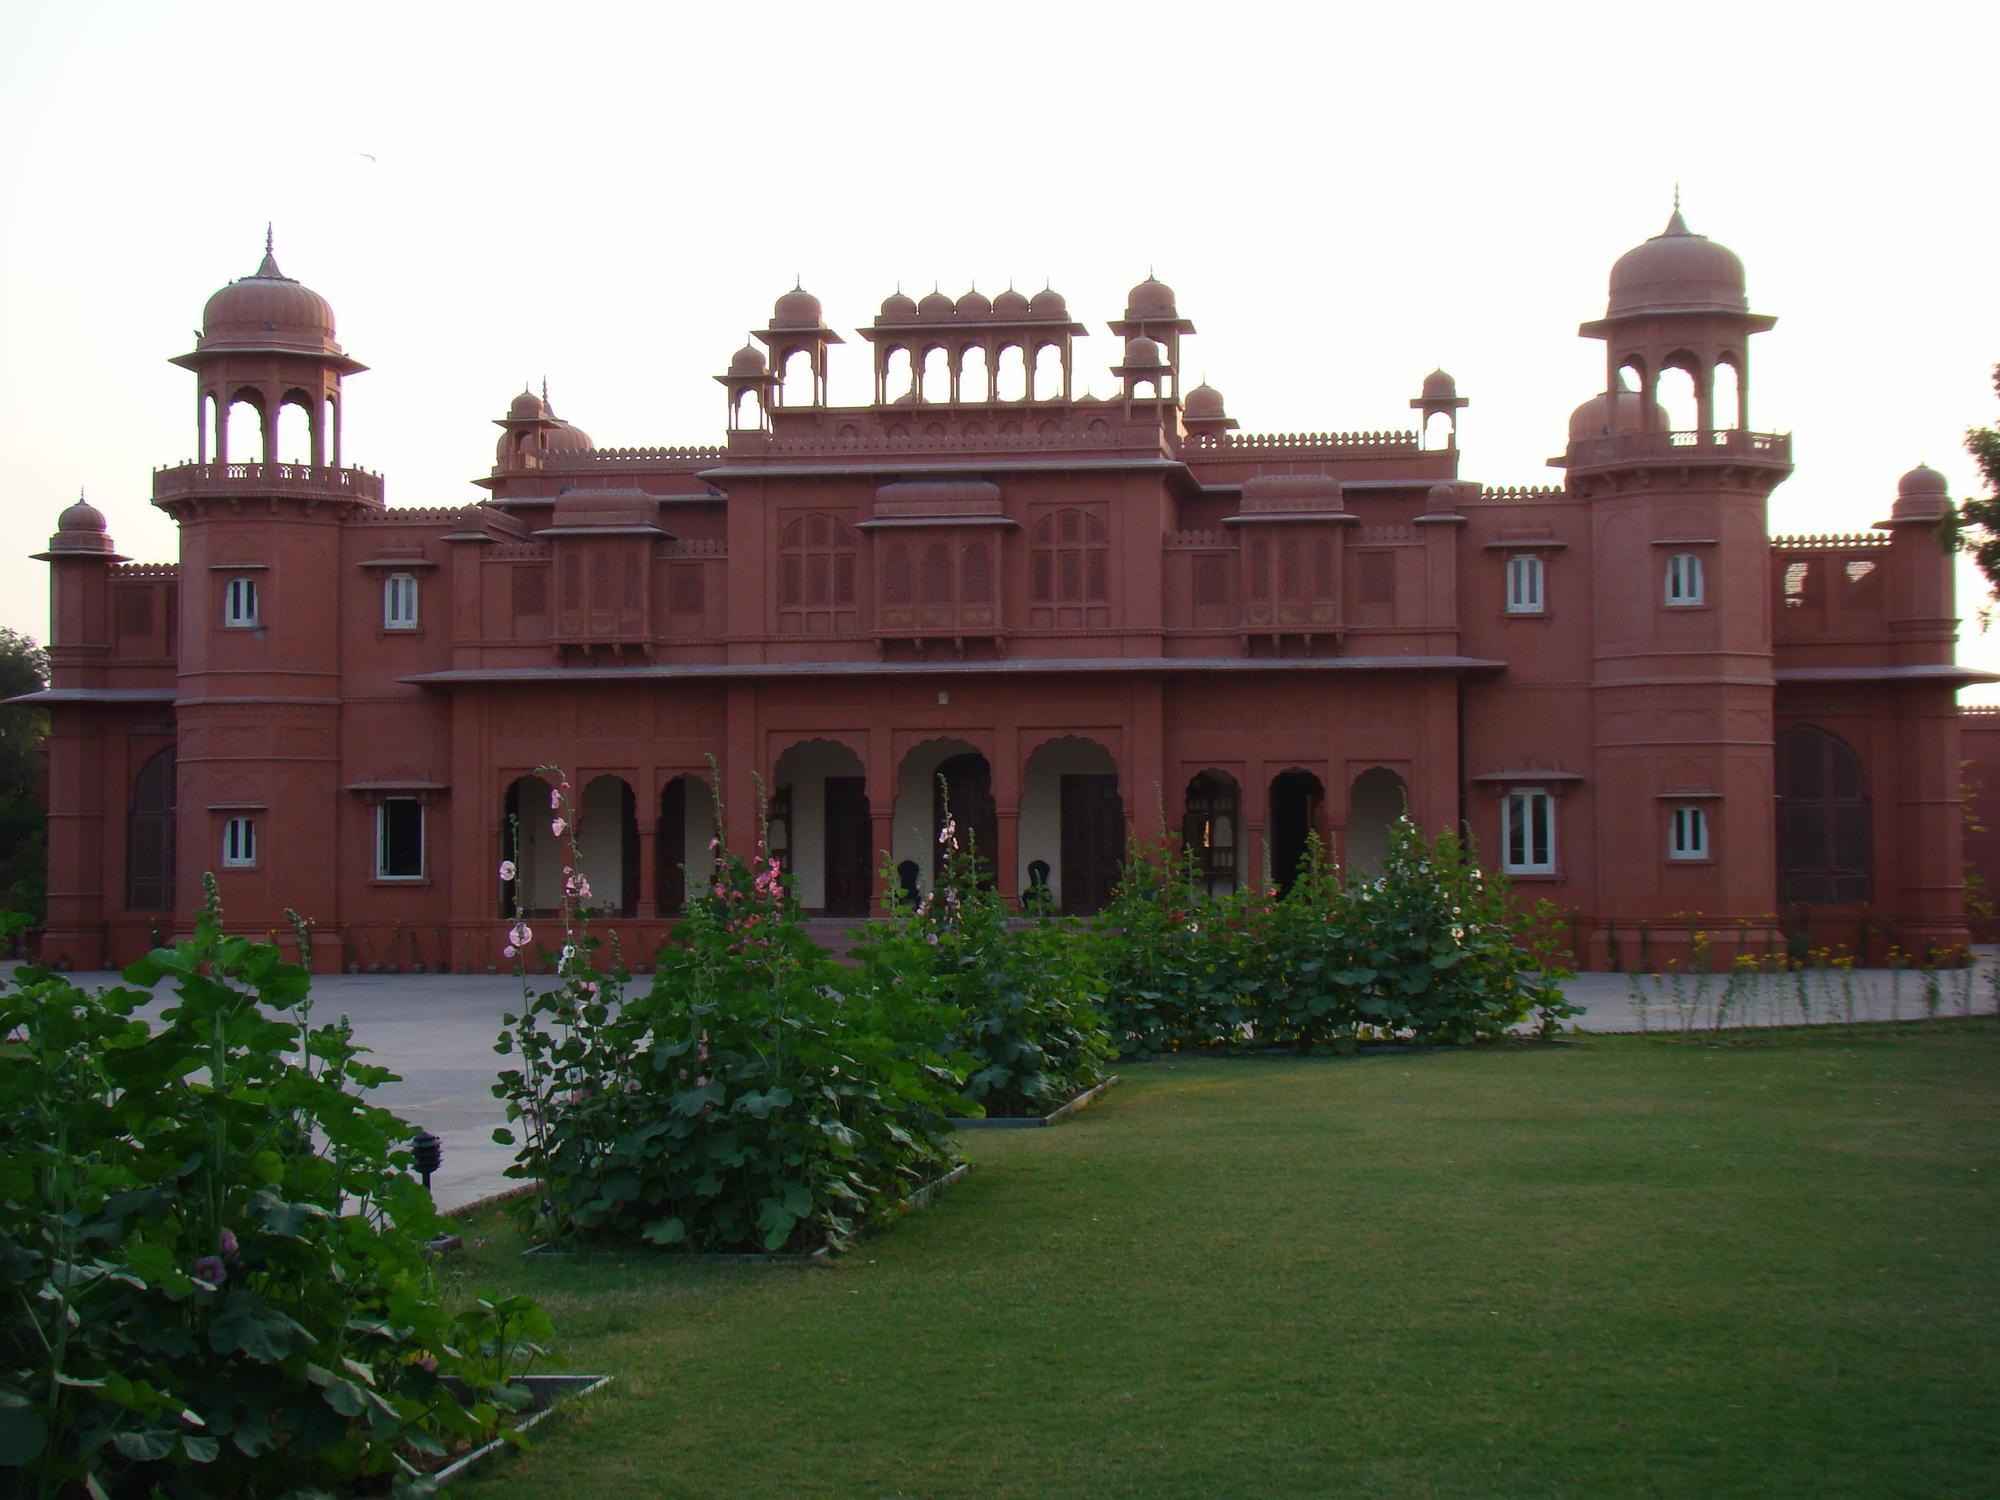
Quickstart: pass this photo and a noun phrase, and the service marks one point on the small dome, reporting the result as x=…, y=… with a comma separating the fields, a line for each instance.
x=1442, y=500
x=896, y=308
x=1439, y=386
x=1011, y=304
x=798, y=308
x=1048, y=303
x=1596, y=418
x=526, y=407
x=1150, y=299
x=1677, y=271
x=935, y=307
x=1202, y=403
x=1142, y=351
x=81, y=515
x=749, y=360
x=974, y=304
x=1921, y=495
x=268, y=309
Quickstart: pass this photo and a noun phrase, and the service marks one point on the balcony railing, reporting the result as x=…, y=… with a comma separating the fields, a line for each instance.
x=184, y=481
x=1730, y=445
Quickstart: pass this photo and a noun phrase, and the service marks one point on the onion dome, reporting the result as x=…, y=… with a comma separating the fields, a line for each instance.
x=1439, y=386
x=269, y=310
x=1443, y=498
x=81, y=515
x=526, y=407
x=1677, y=271
x=974, y=304
x=798, y=308
x=1048, y=303
x=80, y=529
x=1203, y=404
x=1921, y=495
x=936, y=307
x=1011, y=304
x=1597, y=418
x=1142, y=351
x=749, y=360
x=1150, y=299
x=896, y=308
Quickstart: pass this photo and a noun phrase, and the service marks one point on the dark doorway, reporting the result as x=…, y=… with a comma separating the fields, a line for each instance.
x=670, y=849
x=1208, y=830
x=1295, y=803
x=149, y=837
x=1093, y=842
x=847, y=854
x=1823, y=817
x=965, y=785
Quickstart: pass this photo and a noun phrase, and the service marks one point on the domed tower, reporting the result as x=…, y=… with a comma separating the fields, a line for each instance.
x=1680, y=607
x=1205, y=417
x=261, y=591
x=266, y=343
x=797, y=325
x=748, y=375
x=1440, y=398
x=1151, y=314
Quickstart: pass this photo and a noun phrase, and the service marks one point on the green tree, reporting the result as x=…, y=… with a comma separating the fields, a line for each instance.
x=24, y=668
x=1983, y=443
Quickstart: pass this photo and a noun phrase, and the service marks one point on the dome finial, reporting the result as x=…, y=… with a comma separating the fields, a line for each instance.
x=269, y=271
x=545, y=397
x=267, y=236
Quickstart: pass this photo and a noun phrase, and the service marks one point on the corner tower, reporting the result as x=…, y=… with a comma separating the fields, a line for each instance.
x=1681, y=612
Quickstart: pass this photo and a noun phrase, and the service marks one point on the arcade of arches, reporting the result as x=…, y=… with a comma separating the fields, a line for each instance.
x=1066, y=832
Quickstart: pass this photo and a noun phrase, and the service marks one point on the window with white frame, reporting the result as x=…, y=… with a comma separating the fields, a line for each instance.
x=1689, y=838
x=239, y=843
x=399, y=839
x=1684, y=578
x=1529, y=837
x=399, y=602
x=1524, y=584
x=239, y=602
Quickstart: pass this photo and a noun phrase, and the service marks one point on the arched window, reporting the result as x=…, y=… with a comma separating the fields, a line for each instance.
x=149, y=837
x=1823, y=820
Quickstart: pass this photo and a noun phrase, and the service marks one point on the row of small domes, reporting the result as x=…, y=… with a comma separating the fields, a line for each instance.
x=1150, y=300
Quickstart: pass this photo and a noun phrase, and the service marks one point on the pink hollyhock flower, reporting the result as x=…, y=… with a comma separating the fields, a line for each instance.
x=582, y=888
x=589, y=987
x=555, y=798
x=556, y=826
x=713, y=845
x=211, y=1269
x=506, y=869
x=521, y=934
x=225, y=1243
x=508, y=951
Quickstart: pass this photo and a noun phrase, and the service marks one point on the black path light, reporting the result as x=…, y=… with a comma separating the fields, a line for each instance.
x=430, y=1156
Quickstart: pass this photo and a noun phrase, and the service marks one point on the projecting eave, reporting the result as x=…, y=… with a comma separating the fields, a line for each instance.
x=1047, y=666
x=1922, y=672
x=94, y=695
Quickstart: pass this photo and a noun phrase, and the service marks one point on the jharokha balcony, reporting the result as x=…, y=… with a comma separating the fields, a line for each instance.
x=248, y=480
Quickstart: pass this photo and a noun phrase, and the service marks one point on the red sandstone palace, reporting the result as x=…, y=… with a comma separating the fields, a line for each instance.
x=1079, y=614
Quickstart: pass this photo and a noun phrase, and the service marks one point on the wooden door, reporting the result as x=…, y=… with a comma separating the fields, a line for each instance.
x=848, y=858
x=965, y=782
x=1093, y=842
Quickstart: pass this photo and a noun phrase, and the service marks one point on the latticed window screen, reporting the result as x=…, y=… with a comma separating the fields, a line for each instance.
x=816, y=563
x=976, y=577
x=897, y=579
x=1071, y=558
x=1323, y=579
x=1211, y=581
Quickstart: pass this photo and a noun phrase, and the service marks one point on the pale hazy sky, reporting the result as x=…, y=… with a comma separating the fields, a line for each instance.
x=1343, y=197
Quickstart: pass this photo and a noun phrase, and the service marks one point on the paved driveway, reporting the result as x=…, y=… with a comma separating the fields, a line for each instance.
x=437, y=1031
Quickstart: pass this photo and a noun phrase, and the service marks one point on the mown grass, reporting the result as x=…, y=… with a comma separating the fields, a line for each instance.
x=1617, y=1267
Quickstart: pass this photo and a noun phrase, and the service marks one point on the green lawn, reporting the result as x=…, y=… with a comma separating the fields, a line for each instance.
x=1618, y=1267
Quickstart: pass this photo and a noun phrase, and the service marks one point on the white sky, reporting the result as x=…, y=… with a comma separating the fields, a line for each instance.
x=1342, y=196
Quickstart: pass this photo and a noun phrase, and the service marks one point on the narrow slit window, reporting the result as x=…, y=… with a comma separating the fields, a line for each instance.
x=1684, y=579
x=399, y=839
x=1530, y=842
x=1524, y=585
x=239, y=602
x=239, y=844
x=1690, y=833
x=399, y=602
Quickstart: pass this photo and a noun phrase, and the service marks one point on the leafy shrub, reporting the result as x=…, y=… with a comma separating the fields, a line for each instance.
x=1018, y=1001
x=742, y=1102
x=211, y=1249
x=1429, y=948
x=1179, y=966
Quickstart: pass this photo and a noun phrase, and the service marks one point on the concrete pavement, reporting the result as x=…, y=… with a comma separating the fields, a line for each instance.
x=437, y=1031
